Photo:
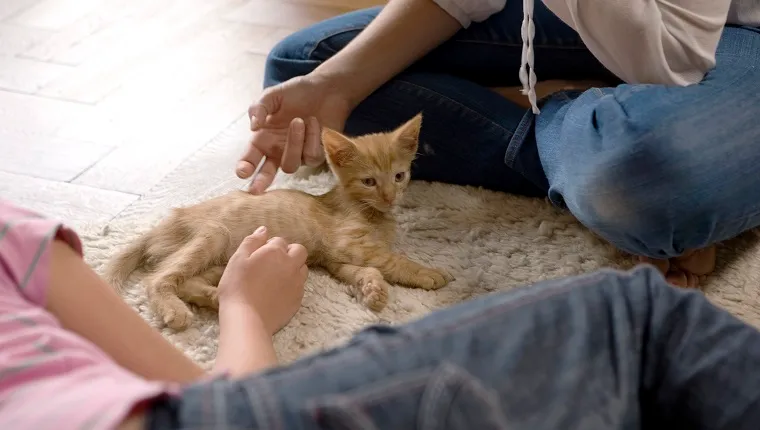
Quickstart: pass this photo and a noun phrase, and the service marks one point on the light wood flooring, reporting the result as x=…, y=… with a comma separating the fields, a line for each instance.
x=101, y=99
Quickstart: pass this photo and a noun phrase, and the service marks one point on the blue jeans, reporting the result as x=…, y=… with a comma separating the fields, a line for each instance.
x=653, y=169
x=609, y=350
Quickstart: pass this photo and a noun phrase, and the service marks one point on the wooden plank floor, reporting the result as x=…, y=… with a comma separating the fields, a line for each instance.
x=101, y=99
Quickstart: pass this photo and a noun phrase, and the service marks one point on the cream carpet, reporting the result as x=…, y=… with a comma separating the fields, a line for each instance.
x=489, y=241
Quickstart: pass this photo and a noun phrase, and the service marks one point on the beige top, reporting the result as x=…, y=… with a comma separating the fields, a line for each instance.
x=640, y=41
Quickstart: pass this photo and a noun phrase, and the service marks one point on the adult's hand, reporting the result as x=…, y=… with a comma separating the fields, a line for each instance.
x=286, y=123
x=286, y=120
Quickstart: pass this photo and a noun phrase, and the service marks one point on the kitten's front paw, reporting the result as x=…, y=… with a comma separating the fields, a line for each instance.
x=432, y=279
x=374, y=294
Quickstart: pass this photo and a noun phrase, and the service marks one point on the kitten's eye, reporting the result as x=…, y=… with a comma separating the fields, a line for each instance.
x=370, y=182
x=400, y=176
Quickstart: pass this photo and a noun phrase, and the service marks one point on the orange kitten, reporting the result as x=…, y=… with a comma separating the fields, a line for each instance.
x=348, y=231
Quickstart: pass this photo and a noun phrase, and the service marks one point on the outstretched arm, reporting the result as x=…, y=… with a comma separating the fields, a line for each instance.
x=287, y=117
x=41, y=263
x=86, y=305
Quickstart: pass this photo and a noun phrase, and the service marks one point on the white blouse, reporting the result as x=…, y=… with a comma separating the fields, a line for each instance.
x=641, y=41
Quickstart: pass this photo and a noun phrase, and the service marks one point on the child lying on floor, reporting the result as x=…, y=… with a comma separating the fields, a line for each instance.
x=592, y=352
x=74, y=355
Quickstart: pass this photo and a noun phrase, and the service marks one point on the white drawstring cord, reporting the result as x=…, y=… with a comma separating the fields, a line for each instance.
x=527, y=75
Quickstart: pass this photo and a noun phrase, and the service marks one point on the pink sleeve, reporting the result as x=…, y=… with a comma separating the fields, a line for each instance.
x=25, y=238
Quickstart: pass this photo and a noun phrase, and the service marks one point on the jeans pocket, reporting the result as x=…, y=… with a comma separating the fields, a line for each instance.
x=446, y=397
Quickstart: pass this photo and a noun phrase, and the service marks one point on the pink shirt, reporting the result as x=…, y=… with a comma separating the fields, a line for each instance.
x=51, y=378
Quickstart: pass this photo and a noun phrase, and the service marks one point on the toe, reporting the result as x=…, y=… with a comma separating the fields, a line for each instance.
x=682, y=279
x=698, y=262
x=662, y=265
x=375, y=301
x=677, y=278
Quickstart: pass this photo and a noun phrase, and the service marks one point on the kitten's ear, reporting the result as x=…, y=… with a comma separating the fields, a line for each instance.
x=408, y=134
x=340, y=150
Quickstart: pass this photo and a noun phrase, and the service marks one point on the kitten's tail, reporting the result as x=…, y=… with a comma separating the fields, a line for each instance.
x=125, y=262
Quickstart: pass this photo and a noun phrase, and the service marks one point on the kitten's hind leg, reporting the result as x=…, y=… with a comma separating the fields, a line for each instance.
x=365, y=283
x=201, y=290
x=213, y=275
x=166, y=287
x=169, y=307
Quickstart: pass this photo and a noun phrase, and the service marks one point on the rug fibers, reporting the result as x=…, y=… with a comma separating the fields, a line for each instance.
x=490, y=241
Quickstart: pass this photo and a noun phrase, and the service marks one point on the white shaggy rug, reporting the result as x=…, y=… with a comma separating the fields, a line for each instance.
x=489, y=241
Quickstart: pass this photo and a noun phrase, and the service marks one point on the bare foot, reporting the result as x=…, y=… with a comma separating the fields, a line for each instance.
x=682, y=279
x=699, y=262
x=684, y=271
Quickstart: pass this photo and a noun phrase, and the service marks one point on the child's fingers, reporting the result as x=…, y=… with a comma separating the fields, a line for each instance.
x=298, y=253
x=278, y=242
x=253, y=242
x=303, y=273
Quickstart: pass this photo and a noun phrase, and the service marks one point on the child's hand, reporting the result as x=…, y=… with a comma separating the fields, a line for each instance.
x=266, y=275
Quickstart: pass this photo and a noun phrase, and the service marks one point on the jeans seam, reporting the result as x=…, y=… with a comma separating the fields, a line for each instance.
x=517, y=45
x=413, y=379
x=330, y=35
x=452, y=101
x=511, y=153
x=263, y=406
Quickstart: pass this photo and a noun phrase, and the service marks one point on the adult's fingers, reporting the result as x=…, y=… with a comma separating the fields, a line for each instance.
x=313, y=154
x=252, y=242
x=298, y=253
x=258, y=113
x=267, y=105
x=278, y=242
x=291, y=158
x=265, y=177
x=248, y=161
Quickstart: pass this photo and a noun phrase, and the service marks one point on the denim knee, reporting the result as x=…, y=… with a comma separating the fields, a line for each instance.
x=289, y=58
x=301, y=52
x=643, y=192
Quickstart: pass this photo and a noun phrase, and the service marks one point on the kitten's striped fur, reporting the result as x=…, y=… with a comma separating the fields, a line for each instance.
x=348, y=231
